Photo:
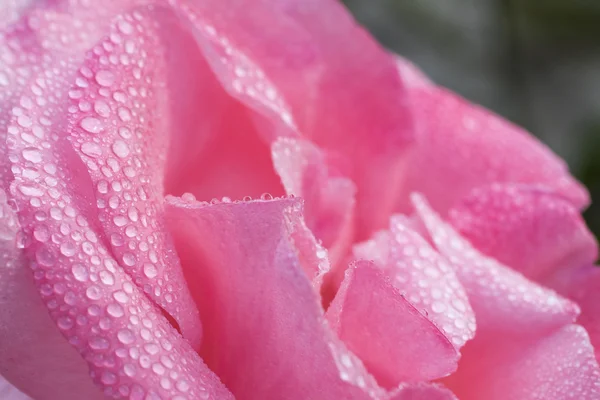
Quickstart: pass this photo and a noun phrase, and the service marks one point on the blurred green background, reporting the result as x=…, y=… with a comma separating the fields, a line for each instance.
x=536, y=62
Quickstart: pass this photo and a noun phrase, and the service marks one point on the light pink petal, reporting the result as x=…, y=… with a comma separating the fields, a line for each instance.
x=582, y=285
x=423, y=276
x=33, y=353
x=422, y=391
x=504, y=301
x=395, y=341
x=265, y=332
x=529, y=229
x=130, y=347
x=9, y=392
x=329, y=198
x=560, y=366
x=462, y=146
x=306, y=74
x=119, y=127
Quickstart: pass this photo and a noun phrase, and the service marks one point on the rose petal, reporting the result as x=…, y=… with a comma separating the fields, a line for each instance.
x=119, y=128
x=423, y=276
x=422, y=391
x=529, y=229
x=131, y=349
x=266, y=335
x=301, y=73
x=560, y=366
x=581, y=285
x=504, y=301
x=33, y=353
x=395, y=341
x=329, y=198
x=462, y=146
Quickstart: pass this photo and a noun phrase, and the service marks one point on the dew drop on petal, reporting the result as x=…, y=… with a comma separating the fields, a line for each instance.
x=91, y=125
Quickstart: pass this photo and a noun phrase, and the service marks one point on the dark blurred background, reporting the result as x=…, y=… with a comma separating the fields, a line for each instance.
x=536, y=62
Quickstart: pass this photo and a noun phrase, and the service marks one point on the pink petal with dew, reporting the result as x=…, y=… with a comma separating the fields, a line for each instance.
x=422, y=391
x=119, y=128
x=301, y=75
x=560, y=366
x=265, y=332
x=34, y=356
x=504, y=301
x=533, y=230
x=395, y=341
x=131, y=349
x=423, y=276
x=461, y=146
x=582, y=286
x=329, y=198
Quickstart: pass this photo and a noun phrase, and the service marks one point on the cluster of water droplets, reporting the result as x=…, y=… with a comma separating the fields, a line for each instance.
x=429, y=283
x=100, y=310
x=500, y=293
x=244, y=79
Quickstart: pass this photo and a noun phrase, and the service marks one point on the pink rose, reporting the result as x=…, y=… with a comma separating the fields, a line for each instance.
x=417, y=248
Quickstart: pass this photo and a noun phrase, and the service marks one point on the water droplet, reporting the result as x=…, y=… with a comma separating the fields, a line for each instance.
x=102, y=108
x=93, y=293
x=107, y=278
x=91, y=149
x=68, y=249
x=115, y=310
x=45, y=257
x=129, y=259
x=64, y=323
x=150, y=270
x=105, y=78
x=121, y=297
x=120, y=149
x=125, y=27
x=125, y=336
x=92, y=125
x=31, y=154
x=99, y=343
x=120, y=220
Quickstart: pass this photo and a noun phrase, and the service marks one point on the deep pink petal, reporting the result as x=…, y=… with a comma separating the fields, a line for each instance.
x=329, y=199
x=582, y=285
x=395, y=341
x=461, y=146
x=560, y=366
x=504, y=301
x=529, y=229
x=265, y=332
x=33, y=354
x=301, y=75
x=422, y=391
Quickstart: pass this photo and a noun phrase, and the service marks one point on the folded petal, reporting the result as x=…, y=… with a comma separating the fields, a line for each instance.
x=306, y=74
x=329, y=199
x=461, y=146
x=504, y=301
x=395, y=341
x=560, y=366
x=119, y=127
x=532, y=230
x=423, y=276
x=265, y=332
x=130, y=347
x=34, y=356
